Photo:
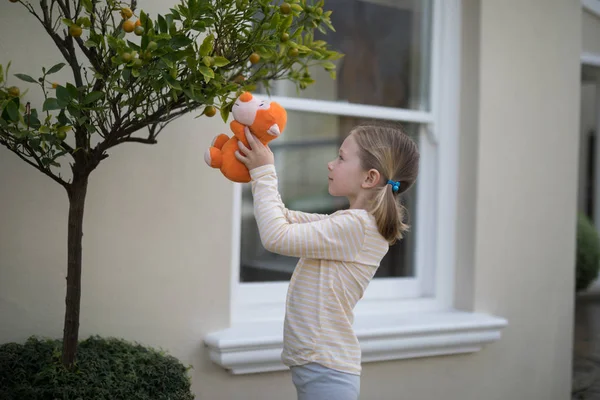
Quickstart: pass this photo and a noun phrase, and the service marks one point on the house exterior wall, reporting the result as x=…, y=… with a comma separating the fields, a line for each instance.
x=158, y=224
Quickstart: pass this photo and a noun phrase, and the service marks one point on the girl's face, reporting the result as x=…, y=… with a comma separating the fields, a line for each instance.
x=346, y=174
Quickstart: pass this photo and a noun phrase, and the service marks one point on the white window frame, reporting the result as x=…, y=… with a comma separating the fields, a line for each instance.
x=398, y=317
x=265, y=301
x=592, y=6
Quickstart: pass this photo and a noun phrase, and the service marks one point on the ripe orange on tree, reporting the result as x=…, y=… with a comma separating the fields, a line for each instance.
x=128, y=26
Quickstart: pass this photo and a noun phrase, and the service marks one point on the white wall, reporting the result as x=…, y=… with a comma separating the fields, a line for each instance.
x=164, y=279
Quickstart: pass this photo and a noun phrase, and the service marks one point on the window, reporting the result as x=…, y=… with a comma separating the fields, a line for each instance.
x=384, y=75
x=402, y=64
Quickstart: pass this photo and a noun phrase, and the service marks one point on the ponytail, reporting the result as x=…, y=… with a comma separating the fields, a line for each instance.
x=389, y=214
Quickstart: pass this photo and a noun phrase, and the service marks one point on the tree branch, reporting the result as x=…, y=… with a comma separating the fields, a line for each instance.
x=40, y=168
x=136, y=140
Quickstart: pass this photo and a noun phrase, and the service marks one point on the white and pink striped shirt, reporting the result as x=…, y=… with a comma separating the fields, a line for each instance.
x=339, y=254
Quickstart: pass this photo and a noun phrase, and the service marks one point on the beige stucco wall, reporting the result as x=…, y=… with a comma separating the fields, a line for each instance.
x=164, y=279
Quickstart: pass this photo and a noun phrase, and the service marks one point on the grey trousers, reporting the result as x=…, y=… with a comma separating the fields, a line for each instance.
x=316, y=382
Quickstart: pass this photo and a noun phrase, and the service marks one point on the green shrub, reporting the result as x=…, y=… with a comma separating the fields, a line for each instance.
x=588, y=253
x=110, y=369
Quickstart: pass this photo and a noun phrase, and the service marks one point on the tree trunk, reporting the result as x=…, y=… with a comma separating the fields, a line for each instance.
x=77, y=192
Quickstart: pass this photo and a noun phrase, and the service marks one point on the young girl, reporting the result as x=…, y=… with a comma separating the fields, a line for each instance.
x=339, y=253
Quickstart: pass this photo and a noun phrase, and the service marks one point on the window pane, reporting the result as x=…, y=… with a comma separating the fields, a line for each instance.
x=301, y=155
x=386, y=45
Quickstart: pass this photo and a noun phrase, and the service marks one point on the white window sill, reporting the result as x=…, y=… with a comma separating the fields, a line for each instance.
x=256, y=347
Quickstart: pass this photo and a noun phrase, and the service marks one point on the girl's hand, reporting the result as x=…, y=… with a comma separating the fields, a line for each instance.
x=257, y=155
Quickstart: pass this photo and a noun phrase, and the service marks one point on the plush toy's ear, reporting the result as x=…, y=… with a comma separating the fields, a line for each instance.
x=274, y=130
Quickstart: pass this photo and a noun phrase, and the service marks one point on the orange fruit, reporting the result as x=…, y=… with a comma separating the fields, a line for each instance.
x=139, y=31
x=152, y=46
x=75, y=30
x=128, y=26
x=61, y=136
x=138, y=22
x=285, y=37
x=254, y=58
x=14, y=91
x=127, y=57
x=210, y=111
x=54, y=85
x=126, y=12
x=293, y=53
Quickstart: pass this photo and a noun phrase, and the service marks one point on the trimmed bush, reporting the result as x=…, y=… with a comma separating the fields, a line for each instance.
x=588, y=253
x=106, y=369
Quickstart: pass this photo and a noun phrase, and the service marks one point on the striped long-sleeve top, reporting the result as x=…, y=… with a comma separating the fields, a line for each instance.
x=339, y=254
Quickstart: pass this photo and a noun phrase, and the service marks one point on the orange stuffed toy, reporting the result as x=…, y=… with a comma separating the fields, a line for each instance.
x=266, y=120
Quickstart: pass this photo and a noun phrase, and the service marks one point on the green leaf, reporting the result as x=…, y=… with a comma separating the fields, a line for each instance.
x=44, y=129
x=287, y=22
x=90, y=128
x=126, y=74
x=35, y=144
x=84, y=21
x=172, y=82
x=63, y=96
x=67, y=22
x=74, y=111
x=328, y=66
x=167, y=62
x=51, y=104
x=333, y=55
x=275, y=21
x=207, y=72
x=13, y=111
x=224, y=113
x=62, y=118
x=207, y=45
x=134, y=46
x=73, y=92
x=55, y=68
x=34, y=121
x=181, y=41
x=162, y=24
x=87, y=4
x=1, y=74
x=25, y=78
x=113, y=42
x=221, y=61
x=90, y=43
x=93, y=97
x=64, y=129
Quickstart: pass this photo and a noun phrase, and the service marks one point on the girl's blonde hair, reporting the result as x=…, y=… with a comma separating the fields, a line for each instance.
x=395, y=155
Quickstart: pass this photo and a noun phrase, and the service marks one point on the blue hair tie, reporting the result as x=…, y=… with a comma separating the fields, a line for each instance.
x=395, y=185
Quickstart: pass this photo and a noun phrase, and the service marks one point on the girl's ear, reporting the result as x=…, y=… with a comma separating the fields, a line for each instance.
x=372, y=179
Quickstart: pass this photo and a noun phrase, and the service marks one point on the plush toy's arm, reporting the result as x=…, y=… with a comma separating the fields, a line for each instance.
x=238, y=130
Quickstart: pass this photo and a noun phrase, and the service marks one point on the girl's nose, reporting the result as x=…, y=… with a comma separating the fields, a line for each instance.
x=329, y=165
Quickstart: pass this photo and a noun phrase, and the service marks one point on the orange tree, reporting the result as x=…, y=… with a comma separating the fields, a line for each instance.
x=140, y=73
